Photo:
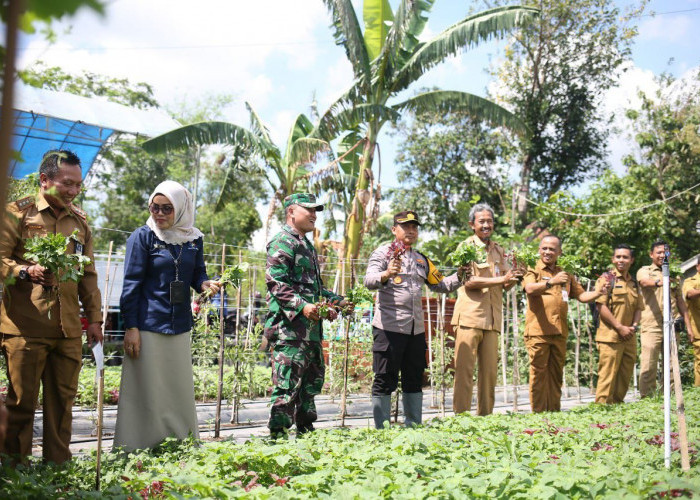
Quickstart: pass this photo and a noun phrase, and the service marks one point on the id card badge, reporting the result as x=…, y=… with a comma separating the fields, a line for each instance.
x=178, y=292
x=565, y=296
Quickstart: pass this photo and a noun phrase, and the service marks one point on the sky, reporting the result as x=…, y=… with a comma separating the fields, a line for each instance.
x=279, y=54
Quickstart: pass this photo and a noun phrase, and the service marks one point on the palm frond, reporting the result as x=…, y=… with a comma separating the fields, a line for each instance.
x=348, y=34
x=257, y=125
x=378, y=18
x=468, y=32
x=205, y=133
x=410, y=21
x=332, y=125
x=305, y=150
x=449, y=101
x=352, y=95
x=228, y=188
x=302, y=128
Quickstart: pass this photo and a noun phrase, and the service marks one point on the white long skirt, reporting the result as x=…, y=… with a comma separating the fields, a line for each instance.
x=156, y=395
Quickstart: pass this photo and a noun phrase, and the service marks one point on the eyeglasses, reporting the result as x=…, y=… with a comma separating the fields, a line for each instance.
x=154, y=208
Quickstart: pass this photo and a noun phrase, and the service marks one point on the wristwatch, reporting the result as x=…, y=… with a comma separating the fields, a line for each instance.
x=23, y=273
x=548, y=284
x=657, y=283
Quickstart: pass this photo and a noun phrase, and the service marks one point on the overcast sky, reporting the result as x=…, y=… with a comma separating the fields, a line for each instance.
x=277, y=53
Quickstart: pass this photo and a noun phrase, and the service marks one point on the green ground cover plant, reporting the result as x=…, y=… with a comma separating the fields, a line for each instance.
x=591, y=452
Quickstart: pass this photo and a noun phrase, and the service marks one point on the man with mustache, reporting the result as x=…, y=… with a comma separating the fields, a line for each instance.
x=43, y=348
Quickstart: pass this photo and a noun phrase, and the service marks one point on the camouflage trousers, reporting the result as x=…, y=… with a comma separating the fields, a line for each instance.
x=297, y=376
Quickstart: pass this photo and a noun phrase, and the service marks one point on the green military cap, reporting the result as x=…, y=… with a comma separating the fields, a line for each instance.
x=406, y=216
x=306, y=200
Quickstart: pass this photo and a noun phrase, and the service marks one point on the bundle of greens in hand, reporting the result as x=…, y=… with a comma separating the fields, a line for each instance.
x=49, y=251
x=573, y=265
x=231, y=277
x=466, y=253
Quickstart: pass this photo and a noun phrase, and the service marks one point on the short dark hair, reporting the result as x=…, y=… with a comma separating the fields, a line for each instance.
x=552, y=235
x=657, y=243
x=52, y=160
x=623, y=246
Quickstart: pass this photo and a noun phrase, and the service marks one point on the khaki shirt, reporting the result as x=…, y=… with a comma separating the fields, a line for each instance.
x=623, y=301
x=653, y=313
x=399, y=308
x=24, y=310
x=547, y=314
x=693, y=283
x=482, y=308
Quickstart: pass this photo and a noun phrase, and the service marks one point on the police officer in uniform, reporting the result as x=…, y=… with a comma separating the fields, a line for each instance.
x=293, y=323
x=548, y=290
x=399, y=332
x=691, y=293
x=650, y=279
x=620, y=311
x=43, y=348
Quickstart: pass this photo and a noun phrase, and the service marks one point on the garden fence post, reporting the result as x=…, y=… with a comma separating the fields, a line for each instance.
x=591, y=389
x=237, y=350
x=101, y=373
x=433, y=395
x=668, y=321
x=343, y=399
x=516, y=368
x=504, y=355
x=442, y=355
x=680, y=404
x=220, y=386
x=577, y=359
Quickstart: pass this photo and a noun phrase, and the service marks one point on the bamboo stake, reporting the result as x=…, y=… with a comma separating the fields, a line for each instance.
x=680, y=404
x=220, y=386
x=236, y=341
x=516, y=368
x=343, y=399
x=442, y=355
x=577, y=360
x=101, y=383
x=433, y=394
x=504, y=354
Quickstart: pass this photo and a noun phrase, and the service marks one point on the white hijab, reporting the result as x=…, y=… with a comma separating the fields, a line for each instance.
x=182, y=230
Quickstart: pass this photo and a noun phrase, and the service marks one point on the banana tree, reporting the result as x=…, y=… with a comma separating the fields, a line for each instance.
x=386, y=59
x=285, y=171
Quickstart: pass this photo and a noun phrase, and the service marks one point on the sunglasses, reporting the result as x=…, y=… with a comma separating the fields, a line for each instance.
x=154, y=208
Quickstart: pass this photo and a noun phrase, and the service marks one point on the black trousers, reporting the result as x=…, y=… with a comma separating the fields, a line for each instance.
x=394, y=353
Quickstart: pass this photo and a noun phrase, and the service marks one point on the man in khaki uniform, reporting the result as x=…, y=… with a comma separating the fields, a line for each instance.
x=650, y=279
x=691, y=293
x=477, y=317
x=620, y=310
x=548, y=291
x=38, y=348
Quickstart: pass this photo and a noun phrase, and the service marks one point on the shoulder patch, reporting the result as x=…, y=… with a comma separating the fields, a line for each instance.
x=25, y=203
x=79, y=212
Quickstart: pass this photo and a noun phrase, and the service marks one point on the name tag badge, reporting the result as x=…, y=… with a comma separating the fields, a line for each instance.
x=565, y=296
x=79, y=248
x=158, y=246
x=496, y=270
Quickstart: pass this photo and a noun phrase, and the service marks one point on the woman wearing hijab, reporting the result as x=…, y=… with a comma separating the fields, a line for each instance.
x=163, y=260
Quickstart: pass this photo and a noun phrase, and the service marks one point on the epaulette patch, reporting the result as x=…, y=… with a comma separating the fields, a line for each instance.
x=79, y=212
x=25, y=202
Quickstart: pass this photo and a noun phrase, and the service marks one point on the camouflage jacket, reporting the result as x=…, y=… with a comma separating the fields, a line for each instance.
x=293, y=280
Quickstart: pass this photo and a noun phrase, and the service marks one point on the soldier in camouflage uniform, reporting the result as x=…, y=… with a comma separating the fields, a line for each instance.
x=293, y=324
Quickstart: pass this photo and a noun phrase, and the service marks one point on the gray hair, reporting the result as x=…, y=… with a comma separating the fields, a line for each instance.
x=480, y=207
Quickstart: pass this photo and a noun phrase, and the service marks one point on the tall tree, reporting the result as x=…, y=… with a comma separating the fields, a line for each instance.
x=284, y=170
x=386, y=59
x=446, y=163
x=553, y=76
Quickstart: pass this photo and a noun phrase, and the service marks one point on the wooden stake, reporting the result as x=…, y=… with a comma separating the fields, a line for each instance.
x=504, y=353
x=680, y=404
x=220, y=386
x=433, y=394
x=577, y=354
x=516, y=369
x=343, y=399
x=442, y=355
x=237, y=362
x=101, y=374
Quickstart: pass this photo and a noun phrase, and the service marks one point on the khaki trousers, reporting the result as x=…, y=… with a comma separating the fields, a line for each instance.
x=696, y=351
x=55, y=363
x=652, y=347
x=473, y=346
x=547, y=357
x=615, y=368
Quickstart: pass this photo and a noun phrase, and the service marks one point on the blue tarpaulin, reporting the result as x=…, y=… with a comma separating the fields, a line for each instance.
x=47, y=120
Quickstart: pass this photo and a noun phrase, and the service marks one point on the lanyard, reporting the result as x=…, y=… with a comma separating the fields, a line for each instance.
x=176, y=260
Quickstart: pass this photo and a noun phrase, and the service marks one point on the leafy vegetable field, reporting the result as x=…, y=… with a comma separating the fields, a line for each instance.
x=590, y=452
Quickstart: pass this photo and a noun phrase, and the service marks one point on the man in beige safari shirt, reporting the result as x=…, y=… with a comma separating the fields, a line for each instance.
x=477, y=317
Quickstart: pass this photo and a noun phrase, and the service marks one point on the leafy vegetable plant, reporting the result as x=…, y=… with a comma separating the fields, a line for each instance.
x=524, y=256
x=396, y=250
x=466, y=253
x=573, y=265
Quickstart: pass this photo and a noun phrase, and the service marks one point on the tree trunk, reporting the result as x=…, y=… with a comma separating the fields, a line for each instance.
x=524, y=191
x=356, y=217
x=7, y=118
